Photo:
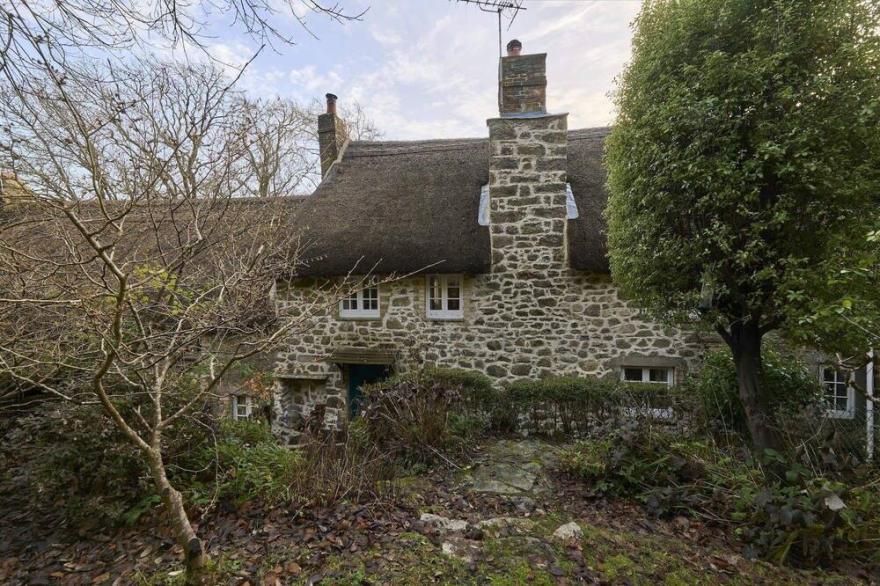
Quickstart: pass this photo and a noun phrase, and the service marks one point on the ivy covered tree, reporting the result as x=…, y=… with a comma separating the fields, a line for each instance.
x=744, y=166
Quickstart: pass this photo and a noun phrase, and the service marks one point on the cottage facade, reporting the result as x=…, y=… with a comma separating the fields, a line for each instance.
x=483, y=254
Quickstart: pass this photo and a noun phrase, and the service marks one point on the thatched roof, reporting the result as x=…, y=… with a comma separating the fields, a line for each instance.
x=400, y=207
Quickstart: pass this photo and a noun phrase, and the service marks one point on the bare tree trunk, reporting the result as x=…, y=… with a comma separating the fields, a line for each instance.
x=745, y=344
x=195, y=557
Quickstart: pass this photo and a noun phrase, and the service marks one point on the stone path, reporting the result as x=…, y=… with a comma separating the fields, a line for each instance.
x=514, y=469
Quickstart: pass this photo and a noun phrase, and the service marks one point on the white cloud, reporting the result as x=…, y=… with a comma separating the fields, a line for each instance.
x=429, y=69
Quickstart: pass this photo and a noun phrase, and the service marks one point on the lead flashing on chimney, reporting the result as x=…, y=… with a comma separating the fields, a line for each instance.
x=571, y=208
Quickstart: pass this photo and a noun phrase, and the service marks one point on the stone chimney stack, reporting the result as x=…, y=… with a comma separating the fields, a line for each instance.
x=527, y=174
x=332, y=135
x=523, y=83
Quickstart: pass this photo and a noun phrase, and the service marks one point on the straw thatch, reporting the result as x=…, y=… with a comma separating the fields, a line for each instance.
x=401, y=207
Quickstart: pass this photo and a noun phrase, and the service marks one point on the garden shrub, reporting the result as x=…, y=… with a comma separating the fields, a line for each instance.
x=806, y=519
x=636, y=460
x=583, y=405
x=787, y=382
x=418, y=416
x=74, y=457
x=249, y=464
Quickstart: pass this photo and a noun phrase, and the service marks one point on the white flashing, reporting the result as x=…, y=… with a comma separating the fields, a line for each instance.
x=571, y=209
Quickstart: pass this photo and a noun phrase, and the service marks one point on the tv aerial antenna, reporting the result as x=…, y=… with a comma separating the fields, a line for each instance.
x=503, y=8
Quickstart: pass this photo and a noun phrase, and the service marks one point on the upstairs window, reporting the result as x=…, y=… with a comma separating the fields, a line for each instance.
x=661, y=375
x=361, y=304
x=839, y=395
x=444, y=298
x=242, y=407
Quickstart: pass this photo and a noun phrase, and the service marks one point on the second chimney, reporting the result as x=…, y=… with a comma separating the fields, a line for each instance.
x=331, y=135
x=523, y=82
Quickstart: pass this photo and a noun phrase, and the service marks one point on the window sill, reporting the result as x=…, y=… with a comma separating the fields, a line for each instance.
x=445, y=318
x=360, y=317
x=840, y=414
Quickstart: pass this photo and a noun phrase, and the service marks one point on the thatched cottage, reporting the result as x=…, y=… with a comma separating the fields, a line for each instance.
x=498, y=251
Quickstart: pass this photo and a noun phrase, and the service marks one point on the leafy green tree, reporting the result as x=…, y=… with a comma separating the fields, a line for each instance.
x=744, y=165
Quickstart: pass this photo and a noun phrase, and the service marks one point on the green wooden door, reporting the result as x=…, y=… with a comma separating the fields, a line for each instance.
x=359, y=375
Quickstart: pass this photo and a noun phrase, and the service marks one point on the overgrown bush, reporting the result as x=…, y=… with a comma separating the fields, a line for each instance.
x=74, y=457
x=420, y=416
x=246, y=463
x=801, y=518
x=342, y=466
x=786, y=381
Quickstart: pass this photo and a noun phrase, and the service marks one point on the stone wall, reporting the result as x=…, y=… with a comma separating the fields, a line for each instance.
x=580, y=326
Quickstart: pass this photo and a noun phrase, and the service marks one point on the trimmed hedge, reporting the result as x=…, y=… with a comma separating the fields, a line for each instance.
x=468, y=401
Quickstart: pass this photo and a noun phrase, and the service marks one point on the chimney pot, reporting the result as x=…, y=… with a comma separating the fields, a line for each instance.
x=331, y=103
x=514, y=48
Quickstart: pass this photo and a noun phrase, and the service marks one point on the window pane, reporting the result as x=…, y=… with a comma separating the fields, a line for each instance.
x=453, y=292
x=829, y=375
x=659, y=375
x=453, y=304
x=371, y=298
x=632, y=374
x=435, y=295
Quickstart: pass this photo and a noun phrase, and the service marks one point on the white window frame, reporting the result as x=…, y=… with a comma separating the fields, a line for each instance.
x=245, y=401
x=444, y=313
x=850, y=411
x=655, y=412
x=646, y=375
x=360, y=312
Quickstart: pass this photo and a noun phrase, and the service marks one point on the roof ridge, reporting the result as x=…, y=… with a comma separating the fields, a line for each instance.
x=389, y=148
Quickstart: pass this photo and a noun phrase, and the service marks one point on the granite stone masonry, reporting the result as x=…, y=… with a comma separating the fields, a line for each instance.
x=557, y=324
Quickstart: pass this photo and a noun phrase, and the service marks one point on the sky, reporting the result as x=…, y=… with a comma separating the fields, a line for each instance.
x=428, y=68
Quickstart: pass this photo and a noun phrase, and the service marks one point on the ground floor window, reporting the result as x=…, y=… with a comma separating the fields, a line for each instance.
x=242, y=407
x=648, y=374
x=838, y=393
x=662, y=376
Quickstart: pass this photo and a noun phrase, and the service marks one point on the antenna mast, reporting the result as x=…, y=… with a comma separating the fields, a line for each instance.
x=508, y=8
